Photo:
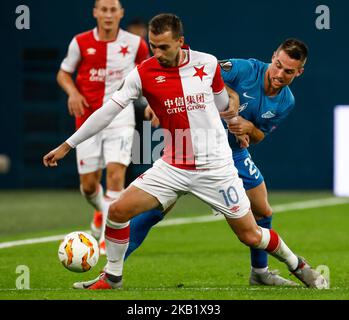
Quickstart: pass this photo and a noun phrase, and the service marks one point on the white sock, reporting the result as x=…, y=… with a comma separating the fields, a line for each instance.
x=96, y=199
x=110, y=197
x=116, y=240
x=273, y=244
x=259, y=270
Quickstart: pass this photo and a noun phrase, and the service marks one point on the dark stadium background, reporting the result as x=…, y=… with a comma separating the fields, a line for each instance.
x=299, y=155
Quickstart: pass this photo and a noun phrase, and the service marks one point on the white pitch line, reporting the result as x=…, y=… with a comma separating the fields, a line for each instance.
x=172, y=289
x=309, y=204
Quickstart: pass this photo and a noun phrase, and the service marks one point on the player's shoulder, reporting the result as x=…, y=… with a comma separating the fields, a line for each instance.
x=287, y=101
x=241, y=64
x=85, y=35
x=147, y=65
x=254, y=64
x=202, y=57
x=125, y=35
x=289, y=97
x=198, y=58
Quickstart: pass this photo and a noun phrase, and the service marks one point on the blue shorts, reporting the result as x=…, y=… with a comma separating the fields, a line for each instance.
x=248, y=172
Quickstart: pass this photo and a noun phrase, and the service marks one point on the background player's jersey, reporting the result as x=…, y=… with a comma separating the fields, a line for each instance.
x=101, y=67
x=246, y=77
x=183, y=99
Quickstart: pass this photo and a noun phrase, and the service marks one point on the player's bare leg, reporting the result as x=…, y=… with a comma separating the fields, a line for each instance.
x=115, y=181
x=92, y=191
x=132, y=202
x=260, y=274
x=254, y=236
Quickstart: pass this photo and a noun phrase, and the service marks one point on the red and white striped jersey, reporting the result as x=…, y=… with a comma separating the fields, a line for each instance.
x=183, y=99
x=101, y=67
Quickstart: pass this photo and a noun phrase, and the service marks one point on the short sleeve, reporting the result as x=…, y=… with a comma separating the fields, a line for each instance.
x=142, y=52
x=233, y=70
x=72, y=58
x=129, y=90
x=217, y=82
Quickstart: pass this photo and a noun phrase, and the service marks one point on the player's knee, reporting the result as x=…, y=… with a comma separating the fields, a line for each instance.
x=89, y=188
x=267, y=212
x=114, y=175
x=116, y=172
x=119, y=213
x=250, y=239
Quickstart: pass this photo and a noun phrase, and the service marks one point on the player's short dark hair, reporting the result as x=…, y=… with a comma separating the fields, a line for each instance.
x=295, y=49
x=166, y=22
x=96, y=1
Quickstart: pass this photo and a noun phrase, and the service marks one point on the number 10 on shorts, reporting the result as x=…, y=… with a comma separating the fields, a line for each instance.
x=230, y=196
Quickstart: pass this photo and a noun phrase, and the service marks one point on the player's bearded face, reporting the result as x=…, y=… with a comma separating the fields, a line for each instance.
x=108, y=14
x=283, y=69
x=165, y=48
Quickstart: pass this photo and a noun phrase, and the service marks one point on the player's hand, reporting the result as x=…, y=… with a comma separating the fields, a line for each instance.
x=243, y=140
x=230, y=113
x=77, y=104
x=50, y=159
x=150, y=115
x=238, y=126
x=233, y=105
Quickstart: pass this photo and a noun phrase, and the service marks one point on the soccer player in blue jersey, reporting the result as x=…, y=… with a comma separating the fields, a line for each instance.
x=265, y=100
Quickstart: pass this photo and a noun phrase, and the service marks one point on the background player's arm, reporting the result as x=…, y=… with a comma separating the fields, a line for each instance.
x=76, y=101
x=241, y=126
x=150, y=115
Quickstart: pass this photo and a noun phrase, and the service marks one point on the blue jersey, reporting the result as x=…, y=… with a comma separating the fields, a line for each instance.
x=246, y=77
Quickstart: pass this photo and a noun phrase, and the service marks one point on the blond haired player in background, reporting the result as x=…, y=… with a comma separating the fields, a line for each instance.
x=102, y=58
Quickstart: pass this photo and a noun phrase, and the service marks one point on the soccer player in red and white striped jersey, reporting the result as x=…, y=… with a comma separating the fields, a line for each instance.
x=186, y=91
x=102, y=58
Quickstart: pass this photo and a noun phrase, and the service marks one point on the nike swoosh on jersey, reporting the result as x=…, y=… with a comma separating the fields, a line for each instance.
x=247, y=96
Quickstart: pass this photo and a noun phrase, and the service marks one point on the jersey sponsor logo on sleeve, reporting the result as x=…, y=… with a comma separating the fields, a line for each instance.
x=268, y=115
x=226, y=65
x=247, y=96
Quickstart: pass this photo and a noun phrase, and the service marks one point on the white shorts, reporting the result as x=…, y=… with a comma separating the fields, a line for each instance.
x=220, y=188
x=109, y=145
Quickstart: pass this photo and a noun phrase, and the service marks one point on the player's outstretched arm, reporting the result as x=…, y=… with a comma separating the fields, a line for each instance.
x=95, y=123
x=234, y=100
x=50, y=159
x=231, y=106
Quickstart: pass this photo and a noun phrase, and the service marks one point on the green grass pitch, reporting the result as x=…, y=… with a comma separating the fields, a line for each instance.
x=187, y=261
